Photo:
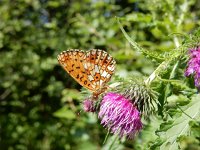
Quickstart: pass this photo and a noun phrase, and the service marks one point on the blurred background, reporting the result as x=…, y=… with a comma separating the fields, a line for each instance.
x=40, y=104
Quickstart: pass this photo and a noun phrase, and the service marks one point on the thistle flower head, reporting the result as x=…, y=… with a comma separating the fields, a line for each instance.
x=194, y=66
x=119, y=115
x=88, y=106
x=142, y=96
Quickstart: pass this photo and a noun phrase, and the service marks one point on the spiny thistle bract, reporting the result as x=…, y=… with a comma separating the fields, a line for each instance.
x=141, y=95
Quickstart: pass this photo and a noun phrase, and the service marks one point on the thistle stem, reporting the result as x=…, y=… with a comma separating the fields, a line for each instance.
x=113, y=142
x=162, y=66
x=106, y=137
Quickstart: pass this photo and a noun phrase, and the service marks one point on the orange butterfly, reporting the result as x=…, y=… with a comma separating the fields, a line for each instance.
x=91, y=69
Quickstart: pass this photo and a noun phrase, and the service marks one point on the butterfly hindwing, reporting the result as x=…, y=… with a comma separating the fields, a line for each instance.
x=101, y=66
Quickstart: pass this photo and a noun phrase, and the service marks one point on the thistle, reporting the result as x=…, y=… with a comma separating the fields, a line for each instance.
x=89, y=105
x=120, y=111
x=194, y=66
x=141, y=95
x=119, y=115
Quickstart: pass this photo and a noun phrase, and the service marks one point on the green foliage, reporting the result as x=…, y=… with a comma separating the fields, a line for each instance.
x=41, y=105
x=172, y=130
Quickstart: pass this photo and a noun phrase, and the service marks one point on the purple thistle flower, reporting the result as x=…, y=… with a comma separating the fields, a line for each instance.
x=119, y=115
x=194, y=66
x=88, y=105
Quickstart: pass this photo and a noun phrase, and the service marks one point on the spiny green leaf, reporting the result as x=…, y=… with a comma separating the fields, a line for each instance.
x=133, y=43
x=147, y=53
x=181, y=125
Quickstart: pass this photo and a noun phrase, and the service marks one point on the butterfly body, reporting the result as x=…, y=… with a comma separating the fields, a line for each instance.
x=91, y=69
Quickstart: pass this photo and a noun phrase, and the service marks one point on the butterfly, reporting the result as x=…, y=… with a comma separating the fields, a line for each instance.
x=91, y=69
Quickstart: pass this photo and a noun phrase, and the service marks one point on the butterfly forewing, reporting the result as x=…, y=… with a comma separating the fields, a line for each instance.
x=91, y=69
x=72, y=62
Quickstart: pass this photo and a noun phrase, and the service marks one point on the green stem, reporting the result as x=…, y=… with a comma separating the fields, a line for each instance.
x=110, y=147
x=106, y=138
x=162, y=66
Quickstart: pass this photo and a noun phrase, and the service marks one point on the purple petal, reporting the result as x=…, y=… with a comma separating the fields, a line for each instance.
x=88, y=106
x=194, y=65
x=119, y=115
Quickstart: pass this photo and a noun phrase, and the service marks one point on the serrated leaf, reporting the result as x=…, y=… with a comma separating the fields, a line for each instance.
x=138, y=47
x=181, y=125
x=133, y=43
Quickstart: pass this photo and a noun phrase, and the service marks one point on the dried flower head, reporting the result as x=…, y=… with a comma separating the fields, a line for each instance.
x=119, y=115
x=194, y=66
